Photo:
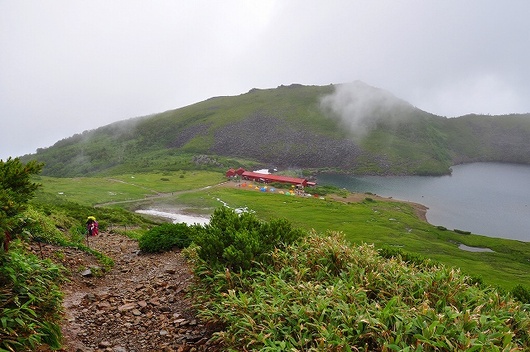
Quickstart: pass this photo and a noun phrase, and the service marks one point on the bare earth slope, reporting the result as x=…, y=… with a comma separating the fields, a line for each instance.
x=140, y=305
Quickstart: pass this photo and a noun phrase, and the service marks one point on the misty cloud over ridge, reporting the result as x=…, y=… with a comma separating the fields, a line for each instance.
x=360, y=107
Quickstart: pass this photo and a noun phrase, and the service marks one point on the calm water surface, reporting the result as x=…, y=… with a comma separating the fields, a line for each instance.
x=490, y=199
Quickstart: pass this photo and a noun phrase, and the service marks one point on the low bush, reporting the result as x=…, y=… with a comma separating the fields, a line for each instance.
x=166, y=237
x=235, y=241
x=409, y=258
x=521, y=293
x=39, y=227
x=324, y=190
x=323, y=294
x=30, y=301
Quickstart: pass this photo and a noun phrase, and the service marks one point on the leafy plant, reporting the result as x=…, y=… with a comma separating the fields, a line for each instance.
x=521, y=293
x=16, y=189
x=236, y=241
x=323, y=294
x=166, y=237
x=30, y=301
x=325, y=190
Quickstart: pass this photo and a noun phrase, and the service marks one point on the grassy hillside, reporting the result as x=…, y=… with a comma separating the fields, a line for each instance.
x=489, y=138
x=351, y=128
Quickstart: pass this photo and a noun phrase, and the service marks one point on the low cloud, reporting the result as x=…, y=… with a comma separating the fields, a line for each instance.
x=361, y=107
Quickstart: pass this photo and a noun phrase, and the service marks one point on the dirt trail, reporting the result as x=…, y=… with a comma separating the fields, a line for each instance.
x=139, y=305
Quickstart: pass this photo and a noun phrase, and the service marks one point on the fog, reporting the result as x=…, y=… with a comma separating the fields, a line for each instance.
x=67, y=66
x=360, y=107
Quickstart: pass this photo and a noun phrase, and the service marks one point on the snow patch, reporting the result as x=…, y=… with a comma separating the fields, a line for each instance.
x=177, y=218
x=262, y=171
x=236, y=210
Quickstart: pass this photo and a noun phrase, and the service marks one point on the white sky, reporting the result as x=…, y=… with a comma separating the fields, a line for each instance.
x=72, y=65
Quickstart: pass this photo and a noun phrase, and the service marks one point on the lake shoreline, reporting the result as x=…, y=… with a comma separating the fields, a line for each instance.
x=419, y=209
x=490, y=199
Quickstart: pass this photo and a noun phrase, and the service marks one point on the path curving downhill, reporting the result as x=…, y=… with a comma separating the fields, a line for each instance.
x=140, y=305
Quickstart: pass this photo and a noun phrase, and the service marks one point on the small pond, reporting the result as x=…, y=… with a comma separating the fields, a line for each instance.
x=177, y=217
x=474, y=249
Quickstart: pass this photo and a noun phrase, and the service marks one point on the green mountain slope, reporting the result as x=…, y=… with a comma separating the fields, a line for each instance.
x=351, y=128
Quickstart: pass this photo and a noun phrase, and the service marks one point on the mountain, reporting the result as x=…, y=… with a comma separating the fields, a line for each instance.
x=348, y=127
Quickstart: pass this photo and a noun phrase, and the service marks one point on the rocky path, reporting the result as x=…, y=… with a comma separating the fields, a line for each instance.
x=140, y=305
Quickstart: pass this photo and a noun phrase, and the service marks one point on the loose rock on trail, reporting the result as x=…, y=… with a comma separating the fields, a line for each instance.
x=141, y=304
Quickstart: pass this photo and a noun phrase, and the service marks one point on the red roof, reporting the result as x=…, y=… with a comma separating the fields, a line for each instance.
x=274, y=178
x=230, y=173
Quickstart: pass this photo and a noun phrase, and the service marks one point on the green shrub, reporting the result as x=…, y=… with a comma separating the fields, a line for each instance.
x=323, y=294
x=521, y=293
x=67, y=214
x=30, y=301
x=78, y=233
x=410, y=258
x=325, y=190
x=166, y=237
x=41, y=227
x=236, y=241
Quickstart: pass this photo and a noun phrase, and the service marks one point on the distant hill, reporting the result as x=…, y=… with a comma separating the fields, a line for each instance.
x=349, y=128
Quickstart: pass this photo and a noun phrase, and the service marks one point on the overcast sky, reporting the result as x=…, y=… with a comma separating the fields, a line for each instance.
x=69, y=66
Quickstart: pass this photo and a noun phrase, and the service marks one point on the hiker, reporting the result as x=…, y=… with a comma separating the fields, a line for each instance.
x=92, y=226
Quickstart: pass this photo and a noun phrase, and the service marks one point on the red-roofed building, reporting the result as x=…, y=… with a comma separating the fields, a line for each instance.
x=268, y=178
x=231, y=173
x=240, y=171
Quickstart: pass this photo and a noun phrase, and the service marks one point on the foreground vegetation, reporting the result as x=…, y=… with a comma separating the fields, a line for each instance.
x=30, y=295
x=30, y=299
x=329, y=275
x=276, y=288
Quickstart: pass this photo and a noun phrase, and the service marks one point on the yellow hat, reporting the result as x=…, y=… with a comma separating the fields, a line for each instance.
x=91, y=218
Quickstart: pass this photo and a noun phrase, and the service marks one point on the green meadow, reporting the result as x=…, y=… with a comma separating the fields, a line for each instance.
x=101, y=190
x=383, y=223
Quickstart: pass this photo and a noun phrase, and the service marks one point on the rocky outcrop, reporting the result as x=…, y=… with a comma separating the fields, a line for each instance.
x=275, y=142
